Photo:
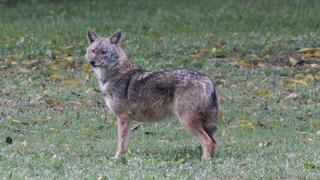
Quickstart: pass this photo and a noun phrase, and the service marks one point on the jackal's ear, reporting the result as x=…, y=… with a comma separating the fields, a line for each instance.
x=92, y=36
x=115, y=38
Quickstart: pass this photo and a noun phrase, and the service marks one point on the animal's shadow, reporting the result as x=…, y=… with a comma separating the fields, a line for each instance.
x=181, y=153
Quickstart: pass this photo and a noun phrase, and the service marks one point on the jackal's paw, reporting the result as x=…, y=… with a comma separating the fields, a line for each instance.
x=205, y=158
x=118, y=154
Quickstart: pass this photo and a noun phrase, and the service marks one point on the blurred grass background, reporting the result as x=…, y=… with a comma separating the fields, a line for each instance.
x=268, y=92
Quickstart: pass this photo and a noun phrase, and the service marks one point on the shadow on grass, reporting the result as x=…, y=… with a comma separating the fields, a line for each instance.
x=176, y=154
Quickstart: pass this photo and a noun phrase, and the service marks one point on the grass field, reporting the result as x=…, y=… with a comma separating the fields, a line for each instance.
x=54, y=125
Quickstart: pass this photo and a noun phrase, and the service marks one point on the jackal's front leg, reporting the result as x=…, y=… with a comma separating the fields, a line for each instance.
x=124, y=127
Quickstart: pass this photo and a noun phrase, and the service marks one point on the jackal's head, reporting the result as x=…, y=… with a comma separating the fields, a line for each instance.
x=102, y=51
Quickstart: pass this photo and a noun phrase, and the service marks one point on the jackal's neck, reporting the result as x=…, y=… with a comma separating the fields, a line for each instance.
x=113, y=71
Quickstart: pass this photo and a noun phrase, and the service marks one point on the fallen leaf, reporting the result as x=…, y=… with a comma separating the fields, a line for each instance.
x=30, y=62
x=232, y=126
x=66, y=145
x=87, y=129
x=307, y=136
x=205, y=50
x=86, y=67
x=248, y=124
x=243, y=122
x=262, y=66
x=195, y=56
x=242, y=64
x=24, y=143
x=74, y=102
x=269, y=143
x=292, y=95
x=15, y=121
x=58, y=64
x=82, y=137
x=255, y=57
x=271, y=47
x=251, y=83
x=55, y=76
x=296, y=82
x=69, y=82
x=69, y=47
x=57, y=52
x=273, y=142
x=309, y=139
x=91, y=91
x=251, y=126
x=180, y=129
x=278, y=126
x=262, y=92
x=199, y=53
x=53, y=102
x=86, y=77
x=54, y=156
x=306, y=76
x=55, y=130
x=311, y=52
x=65, y=122
x=151, y=152
x=220, y=114
x=313, y=101
x=69, y=58
x=309, y=114
x=314, y=65
x=293, y=61
x=249, y=106
x=221, y=82
x=4, y=101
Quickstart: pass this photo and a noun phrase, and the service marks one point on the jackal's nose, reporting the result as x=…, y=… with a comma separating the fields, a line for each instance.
x=92, y=63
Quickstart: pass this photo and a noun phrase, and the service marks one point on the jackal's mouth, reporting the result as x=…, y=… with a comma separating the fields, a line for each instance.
x=93, y=64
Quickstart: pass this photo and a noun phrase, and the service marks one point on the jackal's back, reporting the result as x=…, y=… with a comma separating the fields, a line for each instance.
x=153, y=95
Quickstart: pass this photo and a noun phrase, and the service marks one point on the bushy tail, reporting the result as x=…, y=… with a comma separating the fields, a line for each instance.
x=214, y=99
x=210, y=125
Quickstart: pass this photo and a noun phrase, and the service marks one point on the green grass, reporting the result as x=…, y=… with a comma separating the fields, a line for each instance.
x=269, y=125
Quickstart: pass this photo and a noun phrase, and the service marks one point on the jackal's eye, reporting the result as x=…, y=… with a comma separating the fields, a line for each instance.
x=104, y=52
x=93, y=50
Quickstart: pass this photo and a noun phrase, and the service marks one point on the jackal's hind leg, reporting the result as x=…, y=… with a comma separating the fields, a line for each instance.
x=196, y=127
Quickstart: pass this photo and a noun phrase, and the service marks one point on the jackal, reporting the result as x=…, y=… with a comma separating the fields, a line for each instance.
x=134, y=94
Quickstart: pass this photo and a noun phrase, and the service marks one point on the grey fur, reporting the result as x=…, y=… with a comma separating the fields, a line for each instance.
x=135, y=94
